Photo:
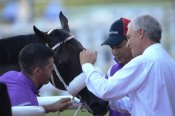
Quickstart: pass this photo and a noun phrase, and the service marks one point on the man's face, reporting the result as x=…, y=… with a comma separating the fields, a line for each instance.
x=122, y=53
x=134, y=42
x=47, y=71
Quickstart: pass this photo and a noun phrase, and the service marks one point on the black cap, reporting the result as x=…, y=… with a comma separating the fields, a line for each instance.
x=117, y=32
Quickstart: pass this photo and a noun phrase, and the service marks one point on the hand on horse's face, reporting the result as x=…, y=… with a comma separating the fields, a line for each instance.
x=87, y=56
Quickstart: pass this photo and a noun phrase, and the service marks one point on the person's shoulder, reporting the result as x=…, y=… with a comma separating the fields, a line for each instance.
x=139, y=60
x=10, y=73
x=8, y=76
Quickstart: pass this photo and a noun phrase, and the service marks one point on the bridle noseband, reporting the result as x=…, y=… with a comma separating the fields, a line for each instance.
x=58, y=44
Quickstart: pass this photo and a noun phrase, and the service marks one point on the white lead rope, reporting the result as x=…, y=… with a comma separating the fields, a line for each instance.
x=59, y=76
x=78, y=109
x=55, y=68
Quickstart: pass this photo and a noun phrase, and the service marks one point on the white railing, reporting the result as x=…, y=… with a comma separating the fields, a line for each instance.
x=39, y=110
x=28, y=111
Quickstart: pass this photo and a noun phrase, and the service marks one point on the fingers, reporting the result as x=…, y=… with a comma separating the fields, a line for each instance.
x=87, y=56
x=64, y=100
x=60, y=105
x=87, y=52
x=65, y=103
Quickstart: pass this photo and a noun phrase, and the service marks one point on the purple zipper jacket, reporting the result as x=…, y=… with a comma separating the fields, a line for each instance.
x=21, y=89
x=114, y=69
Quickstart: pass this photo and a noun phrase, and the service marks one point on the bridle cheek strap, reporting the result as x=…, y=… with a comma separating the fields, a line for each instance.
x=73, y=89
x=54, y=65
x=59, y=76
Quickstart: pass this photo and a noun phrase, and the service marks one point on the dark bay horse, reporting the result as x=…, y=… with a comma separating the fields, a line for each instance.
x=66, y=58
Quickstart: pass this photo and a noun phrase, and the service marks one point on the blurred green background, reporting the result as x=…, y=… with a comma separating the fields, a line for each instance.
x=71, y=113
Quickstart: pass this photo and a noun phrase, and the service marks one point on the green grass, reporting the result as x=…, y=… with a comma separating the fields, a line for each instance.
x=70, y=113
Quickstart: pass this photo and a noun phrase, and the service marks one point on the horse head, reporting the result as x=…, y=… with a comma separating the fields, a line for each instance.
x=66, y=58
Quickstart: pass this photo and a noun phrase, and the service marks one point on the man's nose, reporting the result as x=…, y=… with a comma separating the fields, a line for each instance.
x=127, y=44
x=116, y=52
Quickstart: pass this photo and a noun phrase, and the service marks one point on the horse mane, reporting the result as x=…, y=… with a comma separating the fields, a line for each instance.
x=11, y=46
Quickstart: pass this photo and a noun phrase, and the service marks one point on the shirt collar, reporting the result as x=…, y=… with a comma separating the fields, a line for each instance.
x=115, y=59
x=29, y=82
x=153, y=46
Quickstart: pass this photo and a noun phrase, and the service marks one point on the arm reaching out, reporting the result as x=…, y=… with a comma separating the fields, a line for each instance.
x=60, y=105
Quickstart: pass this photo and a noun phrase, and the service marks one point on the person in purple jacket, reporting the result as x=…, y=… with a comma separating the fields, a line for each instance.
x=36, y=62
x=117, y=41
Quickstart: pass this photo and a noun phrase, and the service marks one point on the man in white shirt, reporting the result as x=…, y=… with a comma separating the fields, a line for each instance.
x=148, y=79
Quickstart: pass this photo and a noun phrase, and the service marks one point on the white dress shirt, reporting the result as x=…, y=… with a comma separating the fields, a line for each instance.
x=148, y=79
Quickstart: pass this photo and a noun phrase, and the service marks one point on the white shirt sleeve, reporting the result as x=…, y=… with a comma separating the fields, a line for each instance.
x=127, y=79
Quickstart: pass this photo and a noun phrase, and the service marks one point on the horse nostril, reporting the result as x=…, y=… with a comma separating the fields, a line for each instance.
x=98, y=109
x=95, y=105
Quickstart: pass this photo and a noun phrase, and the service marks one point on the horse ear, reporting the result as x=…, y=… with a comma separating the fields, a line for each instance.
x=41, y=35
x=64, y=22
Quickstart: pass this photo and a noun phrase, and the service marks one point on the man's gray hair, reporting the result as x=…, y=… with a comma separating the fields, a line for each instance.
x=150, y=25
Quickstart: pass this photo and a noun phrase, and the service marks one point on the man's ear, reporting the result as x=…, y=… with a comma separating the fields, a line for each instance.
x=141, y=33
x=37, y=70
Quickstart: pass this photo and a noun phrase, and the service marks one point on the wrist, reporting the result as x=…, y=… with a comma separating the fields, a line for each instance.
x=48, y=108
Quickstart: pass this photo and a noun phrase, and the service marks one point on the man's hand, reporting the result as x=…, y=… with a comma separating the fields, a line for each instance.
x=60, y=105
x=63, y=104
x=87, y=56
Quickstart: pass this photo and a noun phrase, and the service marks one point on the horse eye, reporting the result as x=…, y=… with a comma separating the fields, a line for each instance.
x=61, y=63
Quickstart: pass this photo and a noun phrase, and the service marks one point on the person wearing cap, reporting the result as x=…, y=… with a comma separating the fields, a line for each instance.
x=148, y=79
x=117, y=41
